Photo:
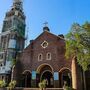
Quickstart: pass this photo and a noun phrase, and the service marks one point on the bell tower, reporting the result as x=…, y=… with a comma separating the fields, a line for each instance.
x=12, y=37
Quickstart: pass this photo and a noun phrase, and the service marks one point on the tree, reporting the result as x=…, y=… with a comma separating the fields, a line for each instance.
x=78, y=44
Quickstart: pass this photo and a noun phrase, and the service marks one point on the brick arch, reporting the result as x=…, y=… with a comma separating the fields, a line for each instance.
x=48, y=76
x=64, y=77
x=26, y=71
x=44, y=72
x=26, y=79
x=43, y=65
x=64, y=68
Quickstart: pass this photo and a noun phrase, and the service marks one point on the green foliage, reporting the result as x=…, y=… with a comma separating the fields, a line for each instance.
x=78, y=44
x=13, y=62
x=67, y=88
x=11, y=85
x=42, y=84
x=2, y=83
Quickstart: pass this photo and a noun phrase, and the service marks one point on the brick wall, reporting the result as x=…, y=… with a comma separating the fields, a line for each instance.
x=28, y=59
x=56, y=46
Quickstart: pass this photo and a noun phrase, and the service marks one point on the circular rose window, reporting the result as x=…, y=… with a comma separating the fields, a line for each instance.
x=44, y=44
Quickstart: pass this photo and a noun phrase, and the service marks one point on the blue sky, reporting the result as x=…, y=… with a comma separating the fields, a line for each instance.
x=60, y=14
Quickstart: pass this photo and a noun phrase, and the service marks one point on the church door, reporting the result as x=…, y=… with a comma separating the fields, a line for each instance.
x=47, y=75
x=65, y=78
x=26, y=80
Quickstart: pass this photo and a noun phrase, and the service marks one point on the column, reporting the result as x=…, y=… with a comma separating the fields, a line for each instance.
x=74, y=74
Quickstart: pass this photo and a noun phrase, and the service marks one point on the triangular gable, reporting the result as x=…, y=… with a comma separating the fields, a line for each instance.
x=43, y=33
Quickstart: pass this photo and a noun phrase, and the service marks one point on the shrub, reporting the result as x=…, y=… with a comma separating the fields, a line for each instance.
x=42, y=84
x=2, y=83
x=11, y=85
x=67, y=88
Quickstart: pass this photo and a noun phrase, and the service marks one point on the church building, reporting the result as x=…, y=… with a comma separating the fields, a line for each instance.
x=43, y=58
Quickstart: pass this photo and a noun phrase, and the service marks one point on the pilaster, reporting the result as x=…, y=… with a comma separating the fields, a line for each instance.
x=74, y=74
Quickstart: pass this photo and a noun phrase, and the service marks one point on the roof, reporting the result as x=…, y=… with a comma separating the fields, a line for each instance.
x=44, y=32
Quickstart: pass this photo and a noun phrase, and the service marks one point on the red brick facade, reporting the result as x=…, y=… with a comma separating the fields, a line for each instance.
x=28, y=61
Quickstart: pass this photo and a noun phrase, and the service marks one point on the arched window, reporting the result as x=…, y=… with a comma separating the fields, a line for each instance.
x=48, y=56
x=40, y=57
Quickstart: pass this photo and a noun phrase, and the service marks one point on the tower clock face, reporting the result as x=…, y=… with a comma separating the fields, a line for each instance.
x=44, y=44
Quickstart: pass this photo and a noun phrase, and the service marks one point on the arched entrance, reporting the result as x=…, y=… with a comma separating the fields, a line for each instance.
x=65, y=77
x=46, y=72
x=26, y=79
x=48, y=76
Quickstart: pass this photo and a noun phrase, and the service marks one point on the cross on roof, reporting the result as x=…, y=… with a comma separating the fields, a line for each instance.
x=46, y=23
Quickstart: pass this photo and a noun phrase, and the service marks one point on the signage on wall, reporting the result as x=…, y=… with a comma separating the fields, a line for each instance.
x=56, y=76
x=33, y=75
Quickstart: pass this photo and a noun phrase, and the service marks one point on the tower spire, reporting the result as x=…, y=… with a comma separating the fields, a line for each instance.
x=17, y=5
x=17, y=1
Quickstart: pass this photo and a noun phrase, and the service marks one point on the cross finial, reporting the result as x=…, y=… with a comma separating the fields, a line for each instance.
x=45, y=28
x=46, y=23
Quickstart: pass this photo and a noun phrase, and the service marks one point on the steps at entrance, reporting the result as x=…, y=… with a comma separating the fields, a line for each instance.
x=33, y=89
x=38, y=89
